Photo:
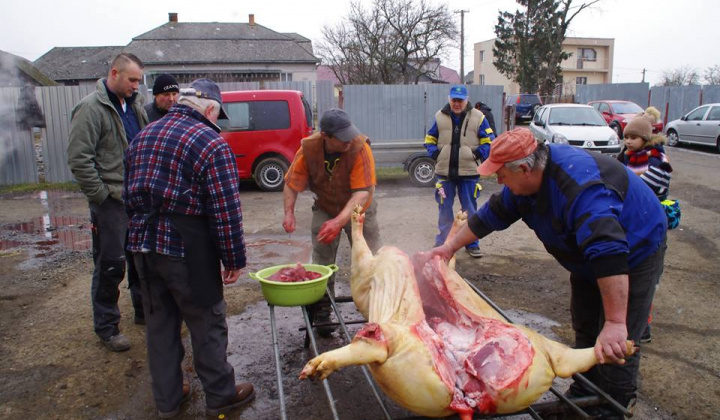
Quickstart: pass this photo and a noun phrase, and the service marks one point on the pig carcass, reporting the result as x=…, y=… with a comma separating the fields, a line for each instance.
x=437, y=348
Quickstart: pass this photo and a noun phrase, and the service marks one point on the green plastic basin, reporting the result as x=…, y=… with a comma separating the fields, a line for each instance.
x=297, y=293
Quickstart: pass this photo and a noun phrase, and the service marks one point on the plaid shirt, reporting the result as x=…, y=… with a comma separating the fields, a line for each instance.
x=181, y=165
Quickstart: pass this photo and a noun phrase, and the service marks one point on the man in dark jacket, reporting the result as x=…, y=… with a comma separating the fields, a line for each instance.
x=487, y=112
x=101, y=126
x=601, y=222
x=165, y=94
x=182, y=195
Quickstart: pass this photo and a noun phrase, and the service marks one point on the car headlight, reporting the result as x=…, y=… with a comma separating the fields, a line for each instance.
x=559, y=138
x=625, y=121
x=613, y=140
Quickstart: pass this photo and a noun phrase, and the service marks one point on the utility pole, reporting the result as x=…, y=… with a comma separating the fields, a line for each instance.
x=462, y=44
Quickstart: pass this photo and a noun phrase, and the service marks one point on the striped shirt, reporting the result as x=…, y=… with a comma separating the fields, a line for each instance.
x=181, y=165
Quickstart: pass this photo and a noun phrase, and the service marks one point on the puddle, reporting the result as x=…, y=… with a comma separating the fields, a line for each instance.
x=72, y=233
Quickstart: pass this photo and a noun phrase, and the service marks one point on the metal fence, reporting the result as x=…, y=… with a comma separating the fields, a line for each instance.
x=406, y=112
x=17, y=149
x=18, y=160
x=388, y=114
x=635, y=92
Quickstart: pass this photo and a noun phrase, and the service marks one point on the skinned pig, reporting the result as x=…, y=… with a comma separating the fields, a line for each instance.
x=437, y=348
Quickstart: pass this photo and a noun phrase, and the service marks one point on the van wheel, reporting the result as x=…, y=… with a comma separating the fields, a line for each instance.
x=422, y=172
x=270, y=174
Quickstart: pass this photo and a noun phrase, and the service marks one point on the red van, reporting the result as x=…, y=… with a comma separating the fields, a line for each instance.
x=264, y=131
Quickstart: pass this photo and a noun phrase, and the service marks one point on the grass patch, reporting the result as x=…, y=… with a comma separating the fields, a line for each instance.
x=43, y=186
x=390, y=172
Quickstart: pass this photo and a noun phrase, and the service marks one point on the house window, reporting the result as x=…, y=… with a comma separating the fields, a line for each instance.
x=482, y=56
x=588, y=54
x=581, y=80
x=482, y=79
x=286, y=77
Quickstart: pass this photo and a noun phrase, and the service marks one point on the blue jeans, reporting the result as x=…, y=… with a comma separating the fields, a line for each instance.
x=468, y=190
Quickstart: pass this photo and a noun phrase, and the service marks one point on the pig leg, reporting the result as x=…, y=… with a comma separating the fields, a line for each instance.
x=361, y=254
x=567, y=362
x=460, y=220
x=363, y=264
x=368, y=346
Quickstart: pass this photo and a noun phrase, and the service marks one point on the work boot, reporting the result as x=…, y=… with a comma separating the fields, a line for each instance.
x=245, y=394
x=117, y=343
x=646, y=336
x=323, y=317
x=474, y=252
x=185, y=398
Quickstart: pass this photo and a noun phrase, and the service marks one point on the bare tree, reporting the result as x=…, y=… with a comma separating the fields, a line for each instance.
x=711, y=76
x=681, y=76
x=390, y=43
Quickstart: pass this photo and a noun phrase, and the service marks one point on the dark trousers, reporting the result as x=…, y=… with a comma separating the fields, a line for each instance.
x=109, y=230
x=168, y=301
x=620, y=381
x=325, y=254
x=467, y=190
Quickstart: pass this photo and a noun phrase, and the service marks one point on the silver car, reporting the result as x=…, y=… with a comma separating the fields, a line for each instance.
x=699, y=126
x=577, y=125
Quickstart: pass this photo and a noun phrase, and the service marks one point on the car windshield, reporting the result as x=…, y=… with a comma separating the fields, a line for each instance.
x=626, y=108
x=575, y=116
x=529, y=99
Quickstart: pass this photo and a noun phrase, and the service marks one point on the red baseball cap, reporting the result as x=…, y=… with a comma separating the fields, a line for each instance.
x=509, y=146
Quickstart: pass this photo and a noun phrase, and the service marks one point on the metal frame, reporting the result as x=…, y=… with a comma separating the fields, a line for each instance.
x=563, y=404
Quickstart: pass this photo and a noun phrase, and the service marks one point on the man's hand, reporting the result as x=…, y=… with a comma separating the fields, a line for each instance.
x=230, y=276
x=289, y=222
x=329, y=231
x=611, y=344
x=444, y=251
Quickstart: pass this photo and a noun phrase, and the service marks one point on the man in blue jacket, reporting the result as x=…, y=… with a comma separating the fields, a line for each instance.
x=458, y=141
x=600, y=222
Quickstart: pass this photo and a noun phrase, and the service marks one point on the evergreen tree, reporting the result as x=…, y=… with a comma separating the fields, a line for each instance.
x=528, y=49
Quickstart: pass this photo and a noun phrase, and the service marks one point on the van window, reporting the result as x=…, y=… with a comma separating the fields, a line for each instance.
x=256, y=116
x=308, y=112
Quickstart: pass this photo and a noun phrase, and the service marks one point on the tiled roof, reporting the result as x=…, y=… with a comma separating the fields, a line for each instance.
x=77, y=63
x=26, y=67
x=225, y=51
x=184, y=43
x=210, y=30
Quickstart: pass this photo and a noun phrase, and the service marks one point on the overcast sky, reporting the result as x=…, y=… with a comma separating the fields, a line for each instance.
x=655, y=35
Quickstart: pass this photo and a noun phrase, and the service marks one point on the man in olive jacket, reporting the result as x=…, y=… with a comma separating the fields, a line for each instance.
x=102, y=125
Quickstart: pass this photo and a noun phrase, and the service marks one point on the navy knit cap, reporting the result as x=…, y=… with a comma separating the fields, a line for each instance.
x=165, y=83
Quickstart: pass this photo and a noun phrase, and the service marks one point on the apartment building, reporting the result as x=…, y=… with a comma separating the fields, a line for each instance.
x=590, y=62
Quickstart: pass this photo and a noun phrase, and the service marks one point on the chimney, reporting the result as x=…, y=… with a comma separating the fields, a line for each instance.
x=172, y=17
x=251, y=19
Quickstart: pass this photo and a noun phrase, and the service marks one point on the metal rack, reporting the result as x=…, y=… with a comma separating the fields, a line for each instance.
x=563, y=404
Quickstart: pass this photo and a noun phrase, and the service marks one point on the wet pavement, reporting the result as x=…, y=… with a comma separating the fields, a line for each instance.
x=250, y=349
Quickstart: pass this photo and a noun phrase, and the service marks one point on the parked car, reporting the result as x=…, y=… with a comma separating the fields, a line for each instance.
x=699, y=126
x=525, y=105
x=577, y=125
x=264, y=130
x=618, y=113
